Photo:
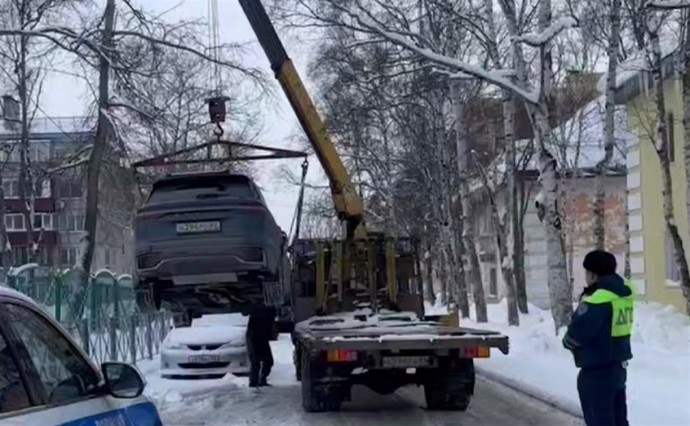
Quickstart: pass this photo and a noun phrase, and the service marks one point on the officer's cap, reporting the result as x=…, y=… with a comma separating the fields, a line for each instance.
x=600, y=262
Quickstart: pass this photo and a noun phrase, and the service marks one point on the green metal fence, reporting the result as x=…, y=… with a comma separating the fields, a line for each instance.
x=102, y=316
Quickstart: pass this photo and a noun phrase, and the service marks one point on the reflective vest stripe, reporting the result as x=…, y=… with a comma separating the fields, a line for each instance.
x=623, y=308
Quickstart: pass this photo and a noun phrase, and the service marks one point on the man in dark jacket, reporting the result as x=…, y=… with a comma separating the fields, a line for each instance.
x=599, y=338
x=259, y=331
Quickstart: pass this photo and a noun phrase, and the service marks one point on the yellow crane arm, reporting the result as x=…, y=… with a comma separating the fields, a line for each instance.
x=347, y=202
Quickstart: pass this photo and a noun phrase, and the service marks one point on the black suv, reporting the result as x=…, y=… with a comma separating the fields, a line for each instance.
x=206, y=243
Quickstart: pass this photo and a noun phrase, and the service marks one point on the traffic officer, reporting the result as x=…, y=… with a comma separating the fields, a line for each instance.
x=259, y=331
x=599, y=338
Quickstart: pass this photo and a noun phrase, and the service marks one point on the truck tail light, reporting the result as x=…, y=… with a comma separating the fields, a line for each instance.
x=341, y=355
x=476, y=352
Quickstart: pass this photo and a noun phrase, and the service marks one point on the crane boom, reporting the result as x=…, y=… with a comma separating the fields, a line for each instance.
x=347, y=202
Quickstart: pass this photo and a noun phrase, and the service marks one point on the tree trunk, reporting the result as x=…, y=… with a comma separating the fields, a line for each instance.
x=686, y=109
x=560, y=289
x=103, y=132
x=609, y=127
x=519, y=245
x=442, y=270
x=429, y=273
x=509, y=263
x=25, y=186
x=465, y=207
x=662, y=150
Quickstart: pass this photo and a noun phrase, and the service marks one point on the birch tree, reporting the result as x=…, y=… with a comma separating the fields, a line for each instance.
x=609, y=124
x=512, y=262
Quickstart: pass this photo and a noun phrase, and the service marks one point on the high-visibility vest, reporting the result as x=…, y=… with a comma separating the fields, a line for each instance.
x=623, y=308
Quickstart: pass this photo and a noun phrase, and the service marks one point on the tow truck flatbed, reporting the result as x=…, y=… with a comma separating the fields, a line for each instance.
x=329, y=333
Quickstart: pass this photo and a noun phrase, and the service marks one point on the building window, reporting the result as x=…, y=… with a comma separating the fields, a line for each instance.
x=70, y=189
x=42, y=189
x=69, y=256
x=14, y=222
x=20, y=255
x=11, y=188
x=39, y=152
x=43, y=221
x=71, y=222
x=493, y=282
x=671, y=266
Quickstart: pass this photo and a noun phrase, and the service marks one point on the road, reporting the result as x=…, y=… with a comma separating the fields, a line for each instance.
x=492, y=405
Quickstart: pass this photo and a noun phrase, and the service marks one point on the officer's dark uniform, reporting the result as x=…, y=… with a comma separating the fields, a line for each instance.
x=259, y=331
x=599, y=338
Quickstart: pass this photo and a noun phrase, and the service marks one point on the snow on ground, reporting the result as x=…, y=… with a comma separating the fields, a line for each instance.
x=658, y=376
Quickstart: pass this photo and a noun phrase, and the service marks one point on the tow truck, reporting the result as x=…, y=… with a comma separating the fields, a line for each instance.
x=357, y=303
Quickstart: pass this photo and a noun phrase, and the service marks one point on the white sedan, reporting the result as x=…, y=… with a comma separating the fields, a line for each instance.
x=212, y=347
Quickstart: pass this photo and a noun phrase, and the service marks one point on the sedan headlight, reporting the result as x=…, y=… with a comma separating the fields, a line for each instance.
x=173, y=345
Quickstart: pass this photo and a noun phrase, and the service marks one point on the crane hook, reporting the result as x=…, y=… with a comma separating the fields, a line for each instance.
x=218, y=131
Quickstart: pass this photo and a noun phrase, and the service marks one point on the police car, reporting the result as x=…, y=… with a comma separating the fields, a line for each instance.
x=47, y=380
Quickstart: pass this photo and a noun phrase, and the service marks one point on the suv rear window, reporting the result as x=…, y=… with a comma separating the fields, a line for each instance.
x=203, y=187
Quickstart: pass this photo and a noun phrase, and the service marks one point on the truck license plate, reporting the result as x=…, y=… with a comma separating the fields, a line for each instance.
x=197, y=227
x=407, y=361
x=205, y=358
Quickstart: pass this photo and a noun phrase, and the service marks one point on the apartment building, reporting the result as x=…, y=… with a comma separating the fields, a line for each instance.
x=59, y=196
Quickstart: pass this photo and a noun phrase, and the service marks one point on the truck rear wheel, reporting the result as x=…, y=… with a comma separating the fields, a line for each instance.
x=314, y=400
x=450, y=388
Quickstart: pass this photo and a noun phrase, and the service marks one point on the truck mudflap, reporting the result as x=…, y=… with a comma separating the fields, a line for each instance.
x=467, y=340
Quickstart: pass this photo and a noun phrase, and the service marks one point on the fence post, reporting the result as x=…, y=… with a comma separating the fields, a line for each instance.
x=149, y=335
x=116, y=298
x=133, y=339
x=112, y=337
x=85, y=336
x=58, y=297
x=93, y=303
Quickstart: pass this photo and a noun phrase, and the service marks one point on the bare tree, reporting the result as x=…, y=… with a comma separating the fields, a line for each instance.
x=26, y=56
x=609, y=130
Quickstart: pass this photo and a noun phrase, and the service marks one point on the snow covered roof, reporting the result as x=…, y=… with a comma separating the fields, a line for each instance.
x=577, y=144
x=631, y=75
x=52, y=125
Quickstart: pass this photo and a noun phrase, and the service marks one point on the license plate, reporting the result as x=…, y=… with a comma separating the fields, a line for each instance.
x=197, y=227
x=407, y=361
x=205, y=358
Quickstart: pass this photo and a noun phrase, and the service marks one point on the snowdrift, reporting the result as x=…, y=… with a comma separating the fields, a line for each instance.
x=658, y=375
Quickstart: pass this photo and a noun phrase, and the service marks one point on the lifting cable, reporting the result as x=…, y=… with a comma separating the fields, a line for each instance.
x=297, y=217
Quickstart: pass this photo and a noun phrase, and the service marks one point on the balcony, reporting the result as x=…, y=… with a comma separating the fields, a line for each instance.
x=41, y=205
x=18, y=238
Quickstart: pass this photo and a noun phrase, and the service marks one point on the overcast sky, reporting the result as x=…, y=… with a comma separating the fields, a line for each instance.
x=65, y=95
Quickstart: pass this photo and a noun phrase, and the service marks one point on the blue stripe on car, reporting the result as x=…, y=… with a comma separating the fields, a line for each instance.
x=144, y=414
